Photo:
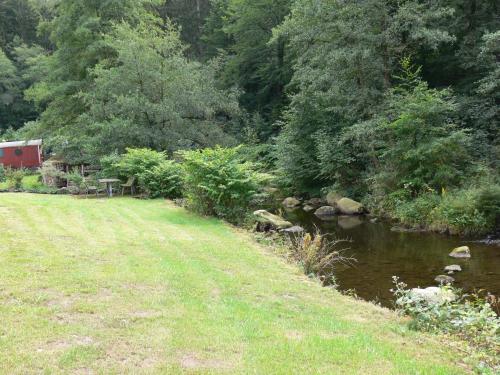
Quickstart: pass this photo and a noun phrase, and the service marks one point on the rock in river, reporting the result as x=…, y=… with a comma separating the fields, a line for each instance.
x=294, y=230
x=308, y=208
x=332, y=198
x=453, y=268
x=444, y=279
x=291, y=202
x=432, y=295
x=325, y=212
x=350, y=207
x=460, y=252
x=264, y=217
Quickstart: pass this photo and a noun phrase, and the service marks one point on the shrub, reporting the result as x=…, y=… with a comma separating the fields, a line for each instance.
x=75, y=178
x=163, y=180
x=14, y=178
x=417, y=212
x=488, y=202
x=136, y=161
x=458, y=213
x=109, y=166
x=50, y=174
x=470, y=317
x=217, y=182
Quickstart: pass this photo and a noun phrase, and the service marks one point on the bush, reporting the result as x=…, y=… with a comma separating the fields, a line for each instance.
x=75, y=178
x=472, y=211
x=458, y=213
x=14, y=178
x=163, y=180
x=470, y=317
x=136, y=161
x=50, y=174
x=488, y=202
x=417, y=212
x=110, y=166
x=2, y=173
x=217, y=182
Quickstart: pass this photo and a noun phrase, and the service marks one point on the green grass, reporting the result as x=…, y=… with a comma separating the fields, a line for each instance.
x=130, y=286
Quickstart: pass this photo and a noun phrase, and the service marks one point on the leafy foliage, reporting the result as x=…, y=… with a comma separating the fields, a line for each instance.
x=154, y=97
x=256, y=62
x=136, y=161
x=14, y=178
x=164, y=180
x=217, y=182
x=469, y=317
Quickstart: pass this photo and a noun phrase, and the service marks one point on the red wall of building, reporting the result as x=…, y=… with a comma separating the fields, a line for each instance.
x=30, y=157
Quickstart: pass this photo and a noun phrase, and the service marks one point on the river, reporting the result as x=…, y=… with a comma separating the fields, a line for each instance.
x=416, y=258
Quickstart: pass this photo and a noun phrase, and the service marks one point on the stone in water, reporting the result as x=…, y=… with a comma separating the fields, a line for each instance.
x=460, y=252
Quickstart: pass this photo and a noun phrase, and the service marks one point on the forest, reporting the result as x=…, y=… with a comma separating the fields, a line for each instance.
x=392, y=103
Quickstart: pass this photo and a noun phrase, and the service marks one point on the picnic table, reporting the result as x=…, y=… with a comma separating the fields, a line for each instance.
x=109, y=184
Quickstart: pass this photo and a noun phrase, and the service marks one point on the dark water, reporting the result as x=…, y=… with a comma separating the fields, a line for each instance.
x=416, y=258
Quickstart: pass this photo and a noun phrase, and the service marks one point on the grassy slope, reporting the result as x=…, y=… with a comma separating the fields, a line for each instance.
x=122, y=285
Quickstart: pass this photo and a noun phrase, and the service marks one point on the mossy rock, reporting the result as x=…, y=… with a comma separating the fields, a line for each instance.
x=348, y=206
x=291, y=202
x=332, y=198
x=325, y=212
x=460, y=252
x=272, y=221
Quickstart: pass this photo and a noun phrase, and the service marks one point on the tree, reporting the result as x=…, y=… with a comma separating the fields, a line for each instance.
x=152, y=96
x=418, y=146
x=77, y=32
x=8, y=84
x=257, y=63
x=19, y=20
x=348, y=53
x=190, y=16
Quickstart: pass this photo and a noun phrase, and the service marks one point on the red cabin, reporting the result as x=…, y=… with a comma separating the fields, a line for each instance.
x=23, y=154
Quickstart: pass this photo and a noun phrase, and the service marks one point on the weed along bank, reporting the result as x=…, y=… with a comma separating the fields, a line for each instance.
x=21, y=154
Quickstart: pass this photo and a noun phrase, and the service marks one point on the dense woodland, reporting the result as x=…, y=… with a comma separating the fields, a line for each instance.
x=395, y=103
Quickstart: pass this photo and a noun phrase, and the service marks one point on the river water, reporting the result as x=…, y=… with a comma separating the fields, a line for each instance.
x=416, y=258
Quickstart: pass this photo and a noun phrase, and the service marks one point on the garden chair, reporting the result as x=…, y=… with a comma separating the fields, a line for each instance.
x=90, y=188
x=130, y=184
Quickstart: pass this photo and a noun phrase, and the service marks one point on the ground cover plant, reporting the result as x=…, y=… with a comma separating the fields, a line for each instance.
x=142, y=286
x=469, y=316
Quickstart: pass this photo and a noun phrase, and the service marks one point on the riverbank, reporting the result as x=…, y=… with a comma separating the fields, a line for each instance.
x=144, y=286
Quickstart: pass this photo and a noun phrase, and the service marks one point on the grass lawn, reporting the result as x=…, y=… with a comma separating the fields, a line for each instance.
x=130, y=286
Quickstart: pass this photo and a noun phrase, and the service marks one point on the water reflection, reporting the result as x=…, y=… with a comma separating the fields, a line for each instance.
x=417, y=258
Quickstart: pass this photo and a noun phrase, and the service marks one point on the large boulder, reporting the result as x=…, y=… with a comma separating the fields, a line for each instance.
x=332, y=198
x=291, y=202
x=269, y=221
x=326, y=212
x=460, y=252
x=432, y=295
x=348, y=206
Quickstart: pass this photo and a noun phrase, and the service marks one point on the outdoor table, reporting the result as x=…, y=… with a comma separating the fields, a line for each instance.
x=109, y=184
